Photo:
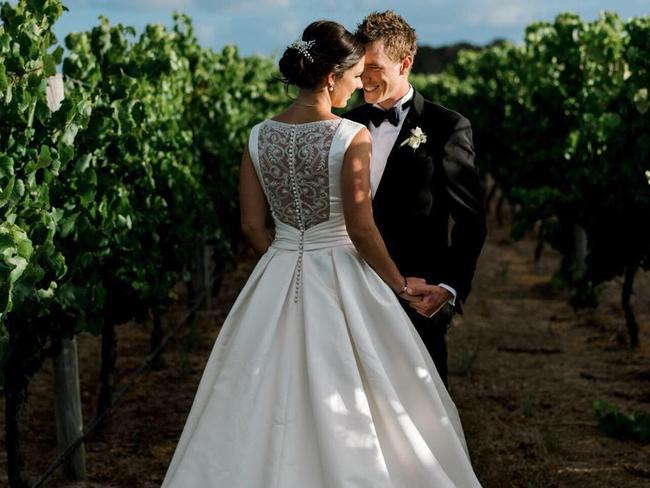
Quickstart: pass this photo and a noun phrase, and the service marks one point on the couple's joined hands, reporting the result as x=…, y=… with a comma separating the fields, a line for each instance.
x=426, y=299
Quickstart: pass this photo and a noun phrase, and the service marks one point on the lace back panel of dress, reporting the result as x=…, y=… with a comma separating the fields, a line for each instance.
x=293, y=162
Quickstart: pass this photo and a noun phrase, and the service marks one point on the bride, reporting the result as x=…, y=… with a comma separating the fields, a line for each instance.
x=318, y=379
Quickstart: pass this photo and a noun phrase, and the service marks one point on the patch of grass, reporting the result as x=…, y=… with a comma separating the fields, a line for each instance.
x=625, y=426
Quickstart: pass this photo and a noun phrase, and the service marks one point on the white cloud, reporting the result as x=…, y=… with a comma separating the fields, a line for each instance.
x=500, y=13
x=205, y=5
x=177, y=4
x=206, y=32
x=289, y=28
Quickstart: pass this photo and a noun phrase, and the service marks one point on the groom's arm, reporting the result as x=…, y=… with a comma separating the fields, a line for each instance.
x=466, y=205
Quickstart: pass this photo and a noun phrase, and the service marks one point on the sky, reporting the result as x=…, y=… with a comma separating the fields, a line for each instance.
x=266, y=27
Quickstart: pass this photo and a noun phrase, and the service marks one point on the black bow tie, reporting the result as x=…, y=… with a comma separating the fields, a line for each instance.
x=378, y=115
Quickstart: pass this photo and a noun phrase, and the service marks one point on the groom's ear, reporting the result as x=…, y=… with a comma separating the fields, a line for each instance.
x=407, y=64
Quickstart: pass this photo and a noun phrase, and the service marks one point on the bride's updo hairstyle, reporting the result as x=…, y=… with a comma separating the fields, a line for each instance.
x=332, y=49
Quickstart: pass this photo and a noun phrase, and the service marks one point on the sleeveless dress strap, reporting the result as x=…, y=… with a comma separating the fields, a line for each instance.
x=253, y=149
x=252, y=146
x=346, y=133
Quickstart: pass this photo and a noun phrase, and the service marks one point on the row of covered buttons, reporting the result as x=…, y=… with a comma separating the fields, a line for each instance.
x=298, y=210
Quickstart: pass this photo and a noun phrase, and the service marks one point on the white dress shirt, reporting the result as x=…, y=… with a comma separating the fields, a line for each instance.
x=384, y=138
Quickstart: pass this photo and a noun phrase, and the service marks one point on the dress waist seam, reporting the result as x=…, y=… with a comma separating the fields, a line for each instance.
x=285, y=246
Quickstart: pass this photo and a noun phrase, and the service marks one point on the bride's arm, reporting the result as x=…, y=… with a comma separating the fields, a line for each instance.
x=357, y=209
x=253, y=207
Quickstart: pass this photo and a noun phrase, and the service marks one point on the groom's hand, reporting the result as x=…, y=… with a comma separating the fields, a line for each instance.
x=433, y=297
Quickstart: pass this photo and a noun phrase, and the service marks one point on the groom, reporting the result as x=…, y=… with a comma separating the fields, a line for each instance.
x=422, y=173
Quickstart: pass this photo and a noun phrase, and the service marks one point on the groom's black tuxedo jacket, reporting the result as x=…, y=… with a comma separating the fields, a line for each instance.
x=421, y=188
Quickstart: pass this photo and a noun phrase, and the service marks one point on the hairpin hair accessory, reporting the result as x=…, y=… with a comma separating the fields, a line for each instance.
x=303, y=47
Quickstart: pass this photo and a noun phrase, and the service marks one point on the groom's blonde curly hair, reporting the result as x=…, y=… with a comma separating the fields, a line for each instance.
x=397, y=35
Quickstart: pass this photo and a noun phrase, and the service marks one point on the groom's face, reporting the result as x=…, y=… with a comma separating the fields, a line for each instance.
x=383, y=78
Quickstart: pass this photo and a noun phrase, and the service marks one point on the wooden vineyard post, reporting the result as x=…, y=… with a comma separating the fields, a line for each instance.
x=67, y=399
x=69, y=424
x=219, y=268
x=630, y=320
x=580, y=240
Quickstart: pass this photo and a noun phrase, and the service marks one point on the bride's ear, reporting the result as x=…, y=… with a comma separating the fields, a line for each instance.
x=330, y=80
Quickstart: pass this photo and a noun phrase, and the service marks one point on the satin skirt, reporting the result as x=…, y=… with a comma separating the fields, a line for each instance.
x=332, y=389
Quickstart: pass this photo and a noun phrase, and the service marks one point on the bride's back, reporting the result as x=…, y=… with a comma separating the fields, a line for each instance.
x=299, y=167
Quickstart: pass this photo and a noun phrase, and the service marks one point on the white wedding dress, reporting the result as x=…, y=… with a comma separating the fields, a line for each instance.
x=318, y=379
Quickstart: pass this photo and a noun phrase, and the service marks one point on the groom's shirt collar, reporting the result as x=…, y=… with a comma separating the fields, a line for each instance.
x=402, y=111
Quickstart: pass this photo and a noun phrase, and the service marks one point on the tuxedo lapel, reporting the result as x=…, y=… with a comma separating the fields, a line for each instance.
x=360, y=115
x=398, y=152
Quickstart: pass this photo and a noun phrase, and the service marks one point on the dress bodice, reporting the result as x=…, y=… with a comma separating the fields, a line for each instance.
x=299, y=167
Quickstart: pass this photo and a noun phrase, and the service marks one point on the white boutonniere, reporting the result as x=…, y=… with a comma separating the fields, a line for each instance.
x=416, y=138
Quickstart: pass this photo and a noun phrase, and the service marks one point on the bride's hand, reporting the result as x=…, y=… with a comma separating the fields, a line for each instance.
x=414, y=284
x=408, y=294
x=434, y=297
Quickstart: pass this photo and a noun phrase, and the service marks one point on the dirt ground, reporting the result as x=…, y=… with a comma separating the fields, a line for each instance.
x=524, y=371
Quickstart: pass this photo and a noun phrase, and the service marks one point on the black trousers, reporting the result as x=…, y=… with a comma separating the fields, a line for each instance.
x=433, y=332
